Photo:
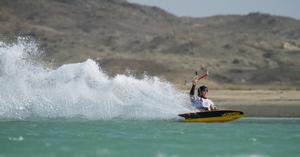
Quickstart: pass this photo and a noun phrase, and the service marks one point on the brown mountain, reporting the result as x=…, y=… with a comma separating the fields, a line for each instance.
x=240, y=51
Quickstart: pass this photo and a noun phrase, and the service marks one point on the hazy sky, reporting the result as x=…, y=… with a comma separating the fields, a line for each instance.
x=203, y=8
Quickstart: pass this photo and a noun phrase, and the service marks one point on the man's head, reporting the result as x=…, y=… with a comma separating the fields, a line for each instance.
x=202, y=91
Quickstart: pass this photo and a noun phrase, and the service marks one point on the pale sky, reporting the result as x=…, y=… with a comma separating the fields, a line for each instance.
x=204, y=8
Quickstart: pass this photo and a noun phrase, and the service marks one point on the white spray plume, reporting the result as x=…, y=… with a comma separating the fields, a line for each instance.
x=29, y=90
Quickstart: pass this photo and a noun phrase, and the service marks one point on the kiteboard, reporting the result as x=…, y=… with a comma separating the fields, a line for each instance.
x=212, y=116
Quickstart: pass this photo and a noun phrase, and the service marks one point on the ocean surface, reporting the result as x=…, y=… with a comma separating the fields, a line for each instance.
x=76, y=110
x=255, y=137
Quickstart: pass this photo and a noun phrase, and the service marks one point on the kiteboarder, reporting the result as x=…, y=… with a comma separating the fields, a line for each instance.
x=200, y=101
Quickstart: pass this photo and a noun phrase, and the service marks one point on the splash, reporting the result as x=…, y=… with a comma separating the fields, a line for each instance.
x=82, y=89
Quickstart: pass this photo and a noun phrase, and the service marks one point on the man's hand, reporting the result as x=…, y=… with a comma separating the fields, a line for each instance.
x=199, y=77
x=195, y=80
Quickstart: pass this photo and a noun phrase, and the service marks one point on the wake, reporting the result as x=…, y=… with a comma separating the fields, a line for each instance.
x=29, y=90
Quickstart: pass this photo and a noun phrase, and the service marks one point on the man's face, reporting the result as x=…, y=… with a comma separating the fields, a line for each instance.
x=203, y=92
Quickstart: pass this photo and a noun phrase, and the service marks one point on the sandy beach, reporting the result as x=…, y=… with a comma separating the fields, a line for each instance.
x=259, y=103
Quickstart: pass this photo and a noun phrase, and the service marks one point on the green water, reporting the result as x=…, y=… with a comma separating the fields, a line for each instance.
x=153, y=138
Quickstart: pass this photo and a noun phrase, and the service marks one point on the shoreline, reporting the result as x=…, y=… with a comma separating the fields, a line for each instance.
x=259, y=103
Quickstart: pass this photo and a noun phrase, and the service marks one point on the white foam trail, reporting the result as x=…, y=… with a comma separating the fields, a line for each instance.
x=82, y=89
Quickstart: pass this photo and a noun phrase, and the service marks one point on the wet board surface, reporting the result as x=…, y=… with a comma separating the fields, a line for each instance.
x=212, y=116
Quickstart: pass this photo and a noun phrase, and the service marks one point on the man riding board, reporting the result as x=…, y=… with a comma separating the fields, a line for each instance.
x=200, y=101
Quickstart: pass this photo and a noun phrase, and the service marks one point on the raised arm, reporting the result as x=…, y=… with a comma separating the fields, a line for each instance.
x=192, y=92
x=194, y=82
x=197, y=78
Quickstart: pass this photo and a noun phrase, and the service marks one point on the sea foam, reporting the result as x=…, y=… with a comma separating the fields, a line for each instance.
x=30, y=90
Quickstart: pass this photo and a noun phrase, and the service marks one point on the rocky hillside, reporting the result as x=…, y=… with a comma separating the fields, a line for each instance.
x=239, y=51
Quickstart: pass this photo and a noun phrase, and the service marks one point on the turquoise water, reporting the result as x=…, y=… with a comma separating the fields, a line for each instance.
x=153, y=138
x=82, y=112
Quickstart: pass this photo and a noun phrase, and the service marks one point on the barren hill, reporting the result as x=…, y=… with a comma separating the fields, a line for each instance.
x=252, y=50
